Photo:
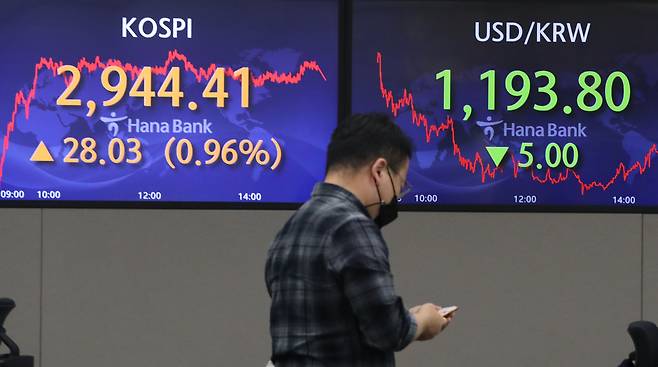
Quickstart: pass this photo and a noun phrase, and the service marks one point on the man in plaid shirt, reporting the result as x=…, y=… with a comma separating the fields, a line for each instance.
x=327, y=271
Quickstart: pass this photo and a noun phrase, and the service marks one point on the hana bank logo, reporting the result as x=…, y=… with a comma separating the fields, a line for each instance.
x=488, y=126
x=112, y=123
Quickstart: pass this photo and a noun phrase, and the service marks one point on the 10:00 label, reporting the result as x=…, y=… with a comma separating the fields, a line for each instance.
x=49, y=194
x=429, y=198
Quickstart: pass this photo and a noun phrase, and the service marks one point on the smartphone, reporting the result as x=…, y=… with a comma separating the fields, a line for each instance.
x=447, y=311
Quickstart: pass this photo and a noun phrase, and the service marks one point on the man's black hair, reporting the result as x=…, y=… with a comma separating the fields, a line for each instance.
x=362, y=138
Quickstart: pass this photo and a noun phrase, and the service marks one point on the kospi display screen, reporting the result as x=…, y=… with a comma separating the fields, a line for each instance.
x=526, y=105
x=166, y=101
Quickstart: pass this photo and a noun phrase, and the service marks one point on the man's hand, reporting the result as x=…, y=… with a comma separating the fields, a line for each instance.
x=429, y=320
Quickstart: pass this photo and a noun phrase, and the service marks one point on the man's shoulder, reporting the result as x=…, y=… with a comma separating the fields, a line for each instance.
x=332, y=212
x=321, y=219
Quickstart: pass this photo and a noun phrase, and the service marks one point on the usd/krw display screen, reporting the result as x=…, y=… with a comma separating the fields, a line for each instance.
x=516, y=104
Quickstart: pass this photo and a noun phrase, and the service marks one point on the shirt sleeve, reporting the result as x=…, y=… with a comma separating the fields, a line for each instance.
x=358, y=255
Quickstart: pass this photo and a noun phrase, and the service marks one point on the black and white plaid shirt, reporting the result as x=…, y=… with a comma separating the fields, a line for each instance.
x=333, y=301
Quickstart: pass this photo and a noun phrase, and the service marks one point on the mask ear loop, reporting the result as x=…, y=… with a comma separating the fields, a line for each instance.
x=395, y=196
x=381, y=202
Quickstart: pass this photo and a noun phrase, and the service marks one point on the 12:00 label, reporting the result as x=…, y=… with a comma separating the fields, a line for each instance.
x=152, y=195
x=525, y=199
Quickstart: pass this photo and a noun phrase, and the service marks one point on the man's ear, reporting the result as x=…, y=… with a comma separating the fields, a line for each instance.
x=378, y=169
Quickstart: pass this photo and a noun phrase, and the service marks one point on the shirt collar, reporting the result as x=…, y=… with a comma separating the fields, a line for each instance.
x=339, y=192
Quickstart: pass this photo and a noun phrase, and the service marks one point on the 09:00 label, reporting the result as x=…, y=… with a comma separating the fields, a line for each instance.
x=12, y=194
